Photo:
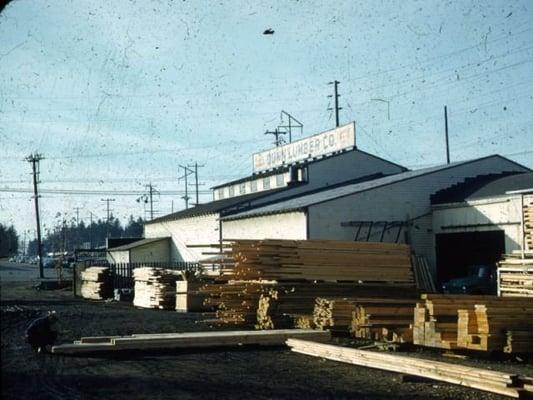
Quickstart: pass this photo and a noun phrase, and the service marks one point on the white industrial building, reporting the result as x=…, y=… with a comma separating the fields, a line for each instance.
x=334, y=191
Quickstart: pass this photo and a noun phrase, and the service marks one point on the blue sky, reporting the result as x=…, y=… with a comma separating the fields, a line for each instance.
x=117, y=94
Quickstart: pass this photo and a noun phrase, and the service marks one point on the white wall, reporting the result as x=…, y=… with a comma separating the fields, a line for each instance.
x=501, y=212
x=277, y=226
x=195, y=230
x=151, y=252
x=118, y=256
x=398, y=201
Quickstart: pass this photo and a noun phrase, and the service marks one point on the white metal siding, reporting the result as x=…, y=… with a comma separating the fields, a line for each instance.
x=118, y=256
x=187, y=231
x=277, y=226
x=495, y=213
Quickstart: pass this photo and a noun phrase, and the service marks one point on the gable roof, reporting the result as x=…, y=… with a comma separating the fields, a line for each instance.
x=302, y=202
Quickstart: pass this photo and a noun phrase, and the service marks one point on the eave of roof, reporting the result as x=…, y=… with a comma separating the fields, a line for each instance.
x=138, y=243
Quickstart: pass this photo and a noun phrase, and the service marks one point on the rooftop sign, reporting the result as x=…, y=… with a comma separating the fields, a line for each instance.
x=337, y=139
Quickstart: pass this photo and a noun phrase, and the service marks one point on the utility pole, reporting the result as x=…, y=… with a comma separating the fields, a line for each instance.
x=91, y=230
x=196, y=166
x=446, y=132
x=77, y=209
x=186, y=173
x=336, y=95
x=108, y=200
x=34, y=160
x=277, y=134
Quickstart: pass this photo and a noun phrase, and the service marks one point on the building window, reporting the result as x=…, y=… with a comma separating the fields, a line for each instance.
x=280, y=181
x=231, y=190
x=253, y=186
x=242, y=188
x=266, y=182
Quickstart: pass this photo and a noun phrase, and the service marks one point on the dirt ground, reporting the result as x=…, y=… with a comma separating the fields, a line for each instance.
x=242, y=373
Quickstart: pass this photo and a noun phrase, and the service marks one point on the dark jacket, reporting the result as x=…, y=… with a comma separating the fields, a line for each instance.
x=40, y=332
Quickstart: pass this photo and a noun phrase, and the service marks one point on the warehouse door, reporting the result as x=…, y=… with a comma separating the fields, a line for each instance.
x=456, y=251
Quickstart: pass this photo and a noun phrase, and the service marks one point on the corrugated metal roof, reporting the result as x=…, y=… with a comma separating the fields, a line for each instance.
x=300, y=203
x=215, y=206
x=138, y=244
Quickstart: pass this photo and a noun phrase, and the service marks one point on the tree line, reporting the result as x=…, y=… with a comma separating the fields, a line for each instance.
x=68, y=237
x=9, y=241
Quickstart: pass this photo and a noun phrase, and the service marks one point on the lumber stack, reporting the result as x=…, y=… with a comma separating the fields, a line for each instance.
x=155, y=287
x=321, y=260
x=528, y=225
x=515, y=275
x=504, y=325
x=189, y=297
x=273, y=284
x=470, y=322
x=333, y=313
x=187, y=340
x=506, y=384
x=383, y=320
x=96, y=283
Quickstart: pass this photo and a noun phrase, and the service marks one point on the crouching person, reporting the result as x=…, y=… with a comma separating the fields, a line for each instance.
x=40, y=334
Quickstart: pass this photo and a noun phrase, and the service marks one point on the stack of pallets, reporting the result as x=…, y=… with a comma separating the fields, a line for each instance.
x=96, y=283
x=155, y=287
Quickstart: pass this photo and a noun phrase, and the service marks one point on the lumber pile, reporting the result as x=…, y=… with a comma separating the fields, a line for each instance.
x=515, y=275
x=155, y=287
x=470, y=322
x=96, y=283
x=187, y=340
x=495, y=326
x=502, y=383
x=189, y=297
x=321, y=260
x=528, y=225
x=272, y=284
x=388, y=320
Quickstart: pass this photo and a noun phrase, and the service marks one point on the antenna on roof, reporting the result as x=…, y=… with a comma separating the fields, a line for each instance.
x=291, y=123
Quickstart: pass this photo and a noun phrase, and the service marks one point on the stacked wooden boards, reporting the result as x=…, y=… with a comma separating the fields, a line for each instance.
x=189, y=298
x=155, y=287
x=470, y=322
x=502, y=383
x=274, y=283
x=96, y=283
x=528, y=225
x=386, y=319
x=187, y=340
x=320, y=260
x=515, y=275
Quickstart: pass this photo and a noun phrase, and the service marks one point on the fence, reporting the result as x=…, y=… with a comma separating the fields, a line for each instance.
x=122, y=273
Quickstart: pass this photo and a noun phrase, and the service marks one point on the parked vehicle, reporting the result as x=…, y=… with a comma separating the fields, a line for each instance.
x=481, y=279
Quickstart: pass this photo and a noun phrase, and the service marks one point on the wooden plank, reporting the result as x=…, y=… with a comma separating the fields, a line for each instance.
x=189, y=340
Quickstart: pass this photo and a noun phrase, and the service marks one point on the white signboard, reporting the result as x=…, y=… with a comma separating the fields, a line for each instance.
x=337, y=139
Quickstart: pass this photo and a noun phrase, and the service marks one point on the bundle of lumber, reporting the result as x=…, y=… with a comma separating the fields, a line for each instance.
x=515, y=275
x=96, y=283
x=189, y=297
x=155, y=287
x=528, y=225
x=506, y=384
x=471, y=322
x=274, y=283
x=495, y=326
x=321, y=260
x=384, y=320
x=187, y=340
